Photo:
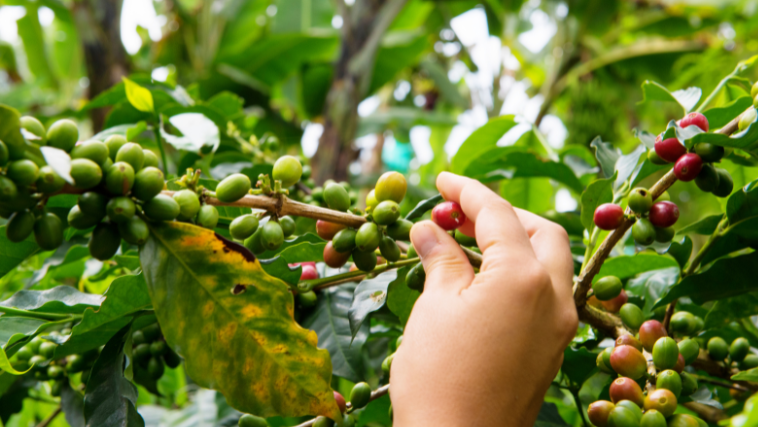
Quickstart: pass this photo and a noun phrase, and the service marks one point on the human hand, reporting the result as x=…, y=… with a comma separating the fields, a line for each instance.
x=482, y=349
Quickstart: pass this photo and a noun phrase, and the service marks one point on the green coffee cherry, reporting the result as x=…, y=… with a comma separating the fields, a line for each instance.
x=55, y=371
x=24, y=353
x=367, y=238
x=151, y=160
x=631, y=315
x=288, y=170
x=20, y=226
x=389, y=249
x=93, y=204
x=708, y=179
x=600, y=363
x=652, y=418
x=243, y=226
x=155, y=368
x=689, y=384
x=119, y=178
x=105, y=241
x=364, y=261
x=336, y=197
x=63, y=134
x=272, y=235
x=621, y=416
x=689, y=349
x=161, y=208
x=131, y=153
x=48, y=231
x=683, y=420
x=739, y=349
x=416, y=277
x=386, y=212
x=86, y=173
x=147, y=183
x=655, y=158
x=709, y=152
x=391, y=186
x=47, y=349
x=643, y=232
x=75, y=363
x=344, y=240
x=189, y=204
x=157, y=348
x=8, y=188
x=49, y=181
x=664, y=197
x=747, y=119
x=750, y=362
x=360, y=396
x=640, y=200
x=665, y=353
x=35, y=127
x=254, y=244
x=207, y=217
x=632, y=407
x=387, y=363
x=463, y=239
x=607, y=288
x=725, y=185
x=322, y=421
x=93, y=150
x=80, y=220
x=4, y=154
x=114, y=143
x=134, y=231
x=248, y=420
x=23, y=172
x=664, y=235
x=120, y=209
x=682, y=321
x=671, y=381
x=307, y=299
x=717, y=348
x=152, y=332
x=233, y=188
x=371, y=201
x=288, y=225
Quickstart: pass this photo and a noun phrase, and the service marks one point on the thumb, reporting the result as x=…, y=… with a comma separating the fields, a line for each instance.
x=445, y=264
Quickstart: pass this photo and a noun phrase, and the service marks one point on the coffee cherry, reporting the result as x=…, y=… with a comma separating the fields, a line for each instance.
x=747, y=119
x=155, y=368
x=654, y=158
x=35, y=127
x=671, y=381
x=55, y=371
x=628, y=404
x=105, y=241
x=621, y=416
x=679, y=367
x=689, y=349
x=694, y=119
x=717, y=348
x=367, y=238
x=288, y=170
x=670, y=149
x=599, y=411
x=709, y=152
x=602, y=365
x=416, y=278
x=682, y=321
x=120, y=209
x=157, y=348
x=664, y=214
x=389, y=249
x=161, y=208
x=114, y=143
x=86, y=173
x=360, y=395
x=24, y=353
x=151, y=160
x=340, y=401
x=643, y=232
x=308, y=272
x=689, y=384
x=207, y=217
x=322, y=421
x=628, y=361
x=364, y=261
x=336, y=197
x=307, y=299
x=725, y=186
x=119, y=178
x=629, y=340
x=288, y=225
x=708, y=179
x=608, y=216
x=640, y=200
x=63, y=134
x=688, y=167
x=272, y=235
x=131, y=153
x=401, y=230
x=386, y=212
x=448, y=215
x=23, y=172
x=134, y=231
x=248, y=420
x=233, y=188
x=93, y=150
x=615, y=304
x=464, y=240
x=243, y=226
x=626, y=389
x=49, y=181
x=665, y=353
x=8, y=188
x=650, y=332
x=750, y=362
x=607, y=288
x=327, y=230
x=685, y=420
x=652, y=418
x=189, y=204
x=75, y=363
x=48, y=231
x=20, y=226
x=739, y=349
x=390, y=186
x=148, y=183
x=632, y=317
x=334, y=259
x=4, y=154
x=661, y=400
x=387, y=363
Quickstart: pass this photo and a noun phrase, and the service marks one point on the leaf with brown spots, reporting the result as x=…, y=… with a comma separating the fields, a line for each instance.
x=234, y=324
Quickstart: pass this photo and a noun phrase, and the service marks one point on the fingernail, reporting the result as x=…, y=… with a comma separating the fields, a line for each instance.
x=424, y=238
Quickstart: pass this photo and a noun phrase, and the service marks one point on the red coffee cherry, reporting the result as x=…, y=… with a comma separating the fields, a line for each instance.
x=688, y=167
x=340, y=401
x=614, y=305
x=670, y=149
x=626, y=389
x=334, y=259
x=308, y=272
x=628, y=361
x=664, y=214
x=628, y=339
x=661, y=400
x=448, y=215
x=679, y=367
x=650, y=332
x=598, y=412
x=608, y=216
x=326, y=230
x=696, y=119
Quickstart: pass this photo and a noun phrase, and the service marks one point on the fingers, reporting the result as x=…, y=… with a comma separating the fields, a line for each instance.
x=445, y=264
x=498, y=230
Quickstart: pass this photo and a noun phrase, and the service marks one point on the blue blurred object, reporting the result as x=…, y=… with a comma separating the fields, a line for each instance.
x=397, y=155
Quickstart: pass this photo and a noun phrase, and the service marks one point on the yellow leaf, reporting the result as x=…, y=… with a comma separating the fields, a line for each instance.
x=138, y=96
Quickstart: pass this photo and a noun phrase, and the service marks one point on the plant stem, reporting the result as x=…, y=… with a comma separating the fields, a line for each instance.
x=575, y=393
x=159, y=141
x=46, y=422
x=350, y=276
x=39, y=315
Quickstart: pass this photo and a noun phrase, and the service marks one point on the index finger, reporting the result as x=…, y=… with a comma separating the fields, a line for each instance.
x=497, y=227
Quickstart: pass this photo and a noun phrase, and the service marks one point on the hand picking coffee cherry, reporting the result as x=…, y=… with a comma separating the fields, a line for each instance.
x=608, y=216
x=694, y=119
x=688, y=167
x=669, y=149
x=664, y=214
x=448, y=215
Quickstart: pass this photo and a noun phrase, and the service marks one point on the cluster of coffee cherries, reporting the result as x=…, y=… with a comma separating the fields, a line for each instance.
x=39, y=355
x=150, y=352
x=383, y=228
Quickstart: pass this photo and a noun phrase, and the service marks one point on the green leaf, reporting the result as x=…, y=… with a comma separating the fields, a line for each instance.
x=480, y=141
x=513, y=162
x=125, y=296
x=734, y=276
x=681, y=251
x=737, y=237
x=549, y=416
x=528, y=193
x=627, y=164
x=110, y=398
x=138, y=96
x=227, y=299
x=731, y=309
x=330, y=322
x=12, y=254
x=31, y=33
x=626, y=266
x=578, y=364
x=423, y=207
x=686, y=98
x=447, y=89
x=401, y=298
x=743, y=204
x=598, y=192
x=652, y=284
x=705, y=226
x=306, y=247
x=606, y=156
x=391, y=59
x=720, y=116
x=745, y=139
x=72, y=403
x=749, y=375
x=644, y=170
x=369, y=296
x=5, y=365
x=60, y=299
x=14, y=328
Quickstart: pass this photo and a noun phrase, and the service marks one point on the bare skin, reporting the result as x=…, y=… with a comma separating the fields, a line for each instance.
x=481, y=350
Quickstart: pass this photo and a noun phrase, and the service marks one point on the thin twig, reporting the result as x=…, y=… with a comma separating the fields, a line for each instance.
x=46, y=422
